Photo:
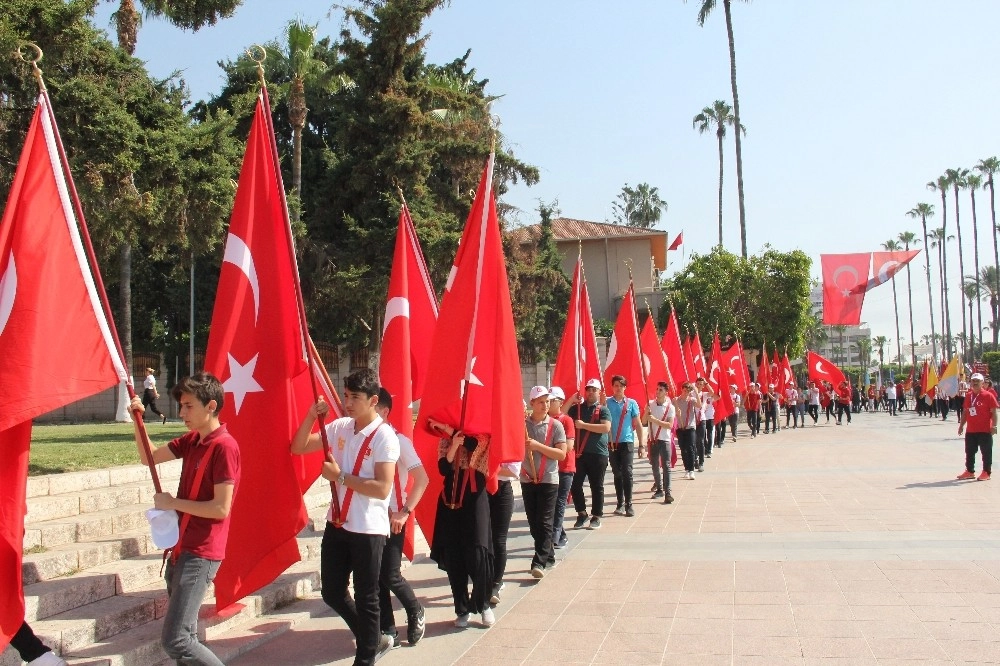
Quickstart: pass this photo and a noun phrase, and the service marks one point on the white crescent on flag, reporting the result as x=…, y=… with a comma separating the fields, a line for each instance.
x=397, y=306
x=612, y=350
x=819, y=368
x=883, y=272
x=846, y=269
x=238, y=254
x=8, y=291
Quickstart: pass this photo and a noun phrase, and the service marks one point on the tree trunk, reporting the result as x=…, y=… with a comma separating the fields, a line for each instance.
x=996, y=261
x=930, y=289
x=946, y=315
x=979, y=291
x=909, y=293
x=297, y=119
x=961, y=278
x=125, y=302
x=719, y=133
x=899, y=346
x=737, y=125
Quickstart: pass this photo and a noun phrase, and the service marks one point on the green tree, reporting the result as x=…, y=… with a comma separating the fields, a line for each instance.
x=941, y=186
x=956, y=178
x=815, y=333
x=988, y=167
x=723, y=290
x=880, y=341
x=864, y=346
x=639, y=206
x=908, y=238
x=894, y=246
x=717, y=116
x=939, y=241
x=974, y=182
x=923, y=211
x=706, y=8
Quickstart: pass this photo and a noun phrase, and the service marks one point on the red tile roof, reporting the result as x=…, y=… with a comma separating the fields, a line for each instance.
x=566, y=229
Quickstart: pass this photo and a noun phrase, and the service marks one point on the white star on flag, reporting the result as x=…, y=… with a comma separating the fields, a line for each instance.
x=475, y=381
x=241, y=380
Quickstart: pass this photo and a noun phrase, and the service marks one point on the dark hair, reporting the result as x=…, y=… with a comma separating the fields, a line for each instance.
x=620, y=379
x=662, y=385
x=385, y=399
x=202, y=385
x=363, y=381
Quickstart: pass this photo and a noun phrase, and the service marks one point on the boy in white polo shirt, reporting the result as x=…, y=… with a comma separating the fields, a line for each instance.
x=361, y=466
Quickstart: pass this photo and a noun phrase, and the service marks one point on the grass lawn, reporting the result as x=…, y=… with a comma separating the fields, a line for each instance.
x=73, y=448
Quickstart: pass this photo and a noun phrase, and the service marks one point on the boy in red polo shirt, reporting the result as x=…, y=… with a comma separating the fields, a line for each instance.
x=194, y=561
x=979, y=420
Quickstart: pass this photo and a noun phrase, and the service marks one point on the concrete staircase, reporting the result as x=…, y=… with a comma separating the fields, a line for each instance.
x=92, y=584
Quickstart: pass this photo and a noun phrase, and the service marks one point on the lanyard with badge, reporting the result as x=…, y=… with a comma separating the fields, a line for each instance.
x=340, y=514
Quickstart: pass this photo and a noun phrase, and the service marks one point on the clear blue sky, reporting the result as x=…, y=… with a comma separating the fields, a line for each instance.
x=850, y=108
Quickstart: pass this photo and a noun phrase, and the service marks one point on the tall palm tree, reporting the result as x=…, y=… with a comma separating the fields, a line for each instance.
x=717, y=116
x=974, y=182
x=985, y=284
x=880, y=341
x=894, y=246
x=941, y=186
x=639, y=206
x=988, y=167
x=707, y=6
x=956, y=177
x=971, y=288
x=864, y=346
x=939, y=241
x=841, y=356
x=908, y=238
x=923, y=211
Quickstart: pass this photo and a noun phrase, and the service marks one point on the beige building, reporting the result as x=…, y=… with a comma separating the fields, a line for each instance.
x=608, y=250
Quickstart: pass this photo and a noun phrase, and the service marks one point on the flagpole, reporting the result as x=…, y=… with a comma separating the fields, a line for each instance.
x=91, y=255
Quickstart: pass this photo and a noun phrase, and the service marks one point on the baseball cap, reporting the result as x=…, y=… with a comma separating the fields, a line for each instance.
x=556, y=393
x=163, y=525
x=770, y=386
x=594, y=383
x=976, y=376
x=537, y=392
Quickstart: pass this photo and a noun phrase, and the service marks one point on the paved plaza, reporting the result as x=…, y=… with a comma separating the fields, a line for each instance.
x=827, y=545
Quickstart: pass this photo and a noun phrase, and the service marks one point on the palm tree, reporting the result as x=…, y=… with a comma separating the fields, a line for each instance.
x=707, y=6
x=985, y=284
x=923, y=211
x=841, y=356
x=639, y=206
x=970, y=287
x=893, y=246
x=908, y=238
x=718, y=116
x=815, y=333
x=864, y=346
x=939, y=241
x=184, y=15
x=988, y=167
x=974, y=182
x=957, y=179
x=941, y=186
x=880, y=341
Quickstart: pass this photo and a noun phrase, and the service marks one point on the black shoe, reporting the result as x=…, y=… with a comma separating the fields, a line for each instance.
x=669, y=499
x=620, y=510
x=581, y=522
x=562, y=543
x=658, y=494
x=654, y=488
x=629, y=511
x=415, y=624
x=708, y=455
x=595, y=523
x=385, y=644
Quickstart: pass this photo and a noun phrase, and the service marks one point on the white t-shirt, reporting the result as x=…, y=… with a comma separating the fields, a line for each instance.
x=737, y=401
x=707, y=406
x=150, y=382
x=890, y=392
x=408, y=459
x=791, y=396
x=664, y=412
x=814, y=396
x=366, y=515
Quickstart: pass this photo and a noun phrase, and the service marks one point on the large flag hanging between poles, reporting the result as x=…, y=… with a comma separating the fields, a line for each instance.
x=476, y=383
x=257, y=348
x=844, y=280
x=56, y=344
x=671, y=345
x=624, y=357
x=822, y=370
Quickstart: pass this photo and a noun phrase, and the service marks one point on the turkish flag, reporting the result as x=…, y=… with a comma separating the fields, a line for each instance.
x=591, y=359
x=698, y=355
x=653, y=359
x=257, y=348
x=736, y=368
x=410, y=316
x=788, y=377
x=718, y=378
x=678, y=239
x=844, y=280
x=569, y=371
x=692, y=370
x=671, y=346
x=885, y=265
x=476, y=383
x=822, y=370
x=763, y=370
x=56, y=344
x=624, y=355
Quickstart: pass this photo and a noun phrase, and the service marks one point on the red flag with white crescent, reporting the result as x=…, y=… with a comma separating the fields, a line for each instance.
x=624, y=353
x=735, y=367
x=671, y=345
x=654, y=359
x=698, y=355
x=823, y=370
x=885, y=265
x=718, y=378
x=844, y=280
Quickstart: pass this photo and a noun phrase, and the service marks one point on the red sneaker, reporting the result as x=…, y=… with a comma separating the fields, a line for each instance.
x=965, y=475
x=985, y=476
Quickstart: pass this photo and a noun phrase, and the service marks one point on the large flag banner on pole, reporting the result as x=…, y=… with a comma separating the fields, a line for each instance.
x=736, y=368
x=56, y=344
x=476, y=383
x=692, y=369
x=257, y=348
x=822, y=370
x=764, y=370
x=885, y=265
x=718, y=377
x=591, y=361
x=671, y=345
x=698, y=355
x=654, y=359
x=571, y=358
x=844, y=280
x=623, y=353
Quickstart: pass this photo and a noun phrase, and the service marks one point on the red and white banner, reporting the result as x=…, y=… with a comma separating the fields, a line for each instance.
x=844, y=279
x=885, y=265
x=823, y=370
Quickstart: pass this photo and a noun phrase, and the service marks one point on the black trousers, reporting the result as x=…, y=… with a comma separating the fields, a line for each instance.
x=770, y=419
x=720, y=430
x=813, y=412
x=540, y=508
x=843, y=408
x=700, y=436
x=753, y=422
x=979, y=442
x=149, y=402
x=943, y=406
x=591, y=467
x=659, y=457
x=501, y=511
x=686, y=441
x=27, y=644
x=391, y=580
x=345, y=554
x=621, y=470
x=892, y=405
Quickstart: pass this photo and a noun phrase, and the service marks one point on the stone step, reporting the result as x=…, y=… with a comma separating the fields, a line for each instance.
x=74, y=482
x=73, y=558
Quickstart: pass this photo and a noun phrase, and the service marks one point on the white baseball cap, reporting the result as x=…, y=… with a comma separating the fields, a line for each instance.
x=164, y=527
x=976, y=376
x=556, y=393
x=537, y=392
x=594, y=383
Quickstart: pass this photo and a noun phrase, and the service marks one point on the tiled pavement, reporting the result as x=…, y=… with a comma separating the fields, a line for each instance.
x=824, y=545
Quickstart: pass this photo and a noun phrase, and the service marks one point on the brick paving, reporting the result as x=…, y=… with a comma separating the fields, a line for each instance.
x=823, y=545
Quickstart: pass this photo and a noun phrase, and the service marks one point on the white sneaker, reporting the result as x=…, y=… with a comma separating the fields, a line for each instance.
x=48, y=659
x=489, y=618
x=462, y=620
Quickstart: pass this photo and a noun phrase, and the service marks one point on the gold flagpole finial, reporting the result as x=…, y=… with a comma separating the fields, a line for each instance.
x=258, y=54
x=33, y=60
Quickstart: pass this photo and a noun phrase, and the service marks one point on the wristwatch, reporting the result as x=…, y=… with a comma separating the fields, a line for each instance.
x=405, y=510
x=342, y=478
